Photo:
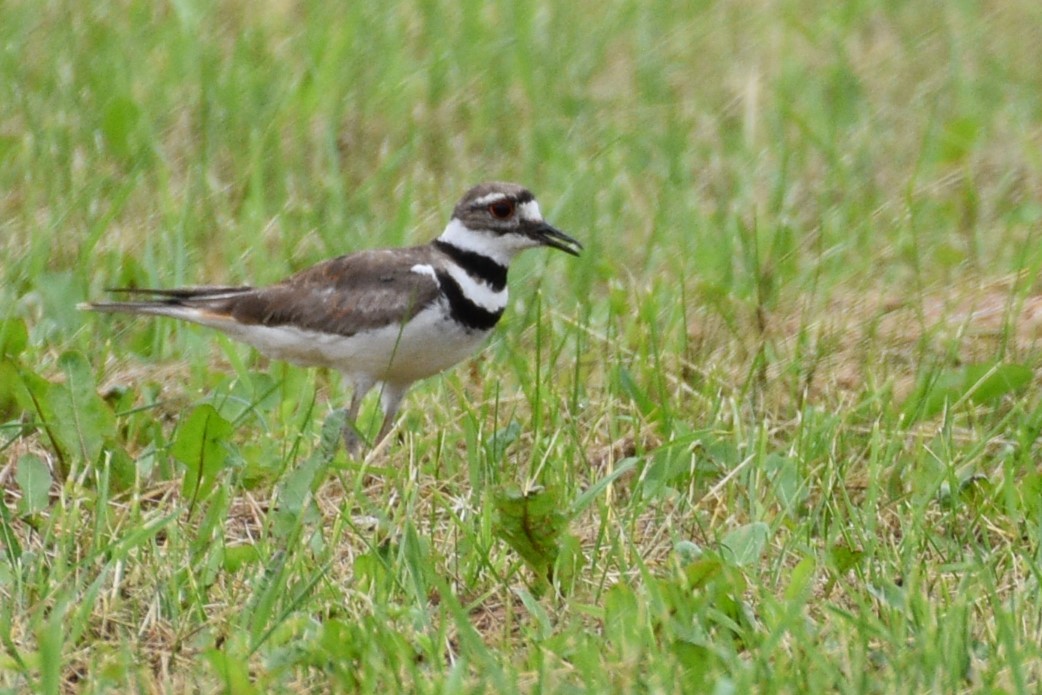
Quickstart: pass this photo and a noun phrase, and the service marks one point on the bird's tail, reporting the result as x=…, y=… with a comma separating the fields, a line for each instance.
x=179, y=303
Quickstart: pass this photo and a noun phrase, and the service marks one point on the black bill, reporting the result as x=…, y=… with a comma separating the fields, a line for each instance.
x=548, y=235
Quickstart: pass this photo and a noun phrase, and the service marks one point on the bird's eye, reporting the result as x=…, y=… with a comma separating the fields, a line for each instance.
x=502, y=209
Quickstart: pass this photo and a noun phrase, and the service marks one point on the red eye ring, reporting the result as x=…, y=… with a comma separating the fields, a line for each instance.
x=502, y=209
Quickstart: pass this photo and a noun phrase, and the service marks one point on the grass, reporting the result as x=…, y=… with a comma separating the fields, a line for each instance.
x=776, y=430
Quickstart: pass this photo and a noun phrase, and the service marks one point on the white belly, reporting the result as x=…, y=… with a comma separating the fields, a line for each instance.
x=426, y=345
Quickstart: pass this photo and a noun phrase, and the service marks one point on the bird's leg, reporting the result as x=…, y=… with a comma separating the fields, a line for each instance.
x=352, y=438
x=390, y=398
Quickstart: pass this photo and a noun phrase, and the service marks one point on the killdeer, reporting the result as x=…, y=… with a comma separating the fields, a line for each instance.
x=386, y=317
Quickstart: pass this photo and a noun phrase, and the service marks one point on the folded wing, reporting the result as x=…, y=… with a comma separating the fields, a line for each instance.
x=345, y=295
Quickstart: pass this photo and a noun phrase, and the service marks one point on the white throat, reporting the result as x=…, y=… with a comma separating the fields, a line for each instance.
x=501, y=248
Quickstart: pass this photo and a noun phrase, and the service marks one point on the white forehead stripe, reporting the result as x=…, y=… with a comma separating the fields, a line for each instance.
x=490, y=198
x=530, y=211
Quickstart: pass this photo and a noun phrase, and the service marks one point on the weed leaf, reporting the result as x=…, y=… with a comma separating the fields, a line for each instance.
x=200, y=444
x=13, y=337
x=747, y=542
x=34, y=480
x=978, y=384
x=531, y=522
x=85, y=411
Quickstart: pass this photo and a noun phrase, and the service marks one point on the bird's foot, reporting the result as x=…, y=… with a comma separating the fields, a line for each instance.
x=353, y=440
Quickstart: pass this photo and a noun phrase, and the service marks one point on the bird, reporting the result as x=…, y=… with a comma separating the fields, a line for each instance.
x=383, y=318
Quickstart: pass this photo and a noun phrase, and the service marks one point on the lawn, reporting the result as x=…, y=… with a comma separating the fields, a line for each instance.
x=777, y=430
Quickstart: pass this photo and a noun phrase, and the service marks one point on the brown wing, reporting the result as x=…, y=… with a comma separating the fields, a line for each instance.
x=345, y=295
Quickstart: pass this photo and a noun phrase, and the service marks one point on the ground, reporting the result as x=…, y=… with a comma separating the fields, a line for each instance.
x=775, y=431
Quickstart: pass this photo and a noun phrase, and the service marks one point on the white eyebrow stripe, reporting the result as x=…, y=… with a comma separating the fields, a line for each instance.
x=490, y=198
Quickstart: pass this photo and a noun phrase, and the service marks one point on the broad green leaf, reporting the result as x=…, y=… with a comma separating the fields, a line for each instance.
x=13, y=337
x=746, y=543
x=622, y=614
x=801, y=580
x=201, y=445
x=231, y=670
x=499, y=441
x=988, y=382
x=687, y=551
x=75, y=419
x=123, y=470
x=81, y=416
x=788, y=484
x=843, y=558
x=703, y=570
x=34, y=397
x=34, y=480
x=531, y=523
x=236, y=556
x=295, y=489
x=979, y=384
